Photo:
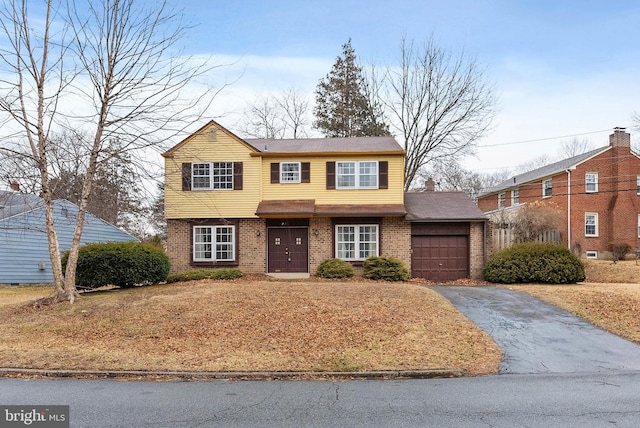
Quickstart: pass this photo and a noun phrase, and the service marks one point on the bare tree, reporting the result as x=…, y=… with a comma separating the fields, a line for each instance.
x=535, y=218
x=280, y=116
x=439, y=104
x=115, y=66
x=575, y=147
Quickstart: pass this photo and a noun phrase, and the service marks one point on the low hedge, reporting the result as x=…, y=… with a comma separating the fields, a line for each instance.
x=534, y=262
x=123, y=264
x=196, y=274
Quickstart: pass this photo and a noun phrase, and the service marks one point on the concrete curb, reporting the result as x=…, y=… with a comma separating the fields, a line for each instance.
x=196, y=376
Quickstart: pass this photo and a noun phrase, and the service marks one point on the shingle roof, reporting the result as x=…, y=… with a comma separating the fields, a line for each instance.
x=441, y=206
x=307, y=208
x=320, y=145
x=545, y=171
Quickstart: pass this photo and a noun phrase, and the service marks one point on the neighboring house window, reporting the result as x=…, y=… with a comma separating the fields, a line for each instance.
x=515, y=196
x=502, y=199
x=213, y=243
x=547, y=186
x=357, y=175
x=591, y=224
x=591, y=182
x=289, y=172
x=638, y=225
x=212, y=176
x=356, y=242
x=638, y=185
x=591, y=254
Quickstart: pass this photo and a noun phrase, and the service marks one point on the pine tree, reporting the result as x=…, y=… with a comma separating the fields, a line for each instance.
x=342, y=106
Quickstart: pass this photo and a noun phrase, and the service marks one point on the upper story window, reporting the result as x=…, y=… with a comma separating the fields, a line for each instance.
x=591, y=182
x=638, y=185
x=547, y=187
x=502, y=199
x=591, y=224
x=289, y=172
x=212, y=176
x=213, y=243
x=357, y=175
x=356, y=242
x=515, y=196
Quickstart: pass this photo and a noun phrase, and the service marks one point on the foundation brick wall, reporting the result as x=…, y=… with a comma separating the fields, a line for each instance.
x=321, y=246
x=396, y=240
x=178, y=246
x=476, y=250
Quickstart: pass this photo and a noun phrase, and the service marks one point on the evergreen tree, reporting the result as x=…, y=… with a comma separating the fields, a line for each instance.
x=342, y=106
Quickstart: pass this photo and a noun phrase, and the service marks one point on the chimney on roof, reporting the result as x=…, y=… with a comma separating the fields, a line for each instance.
x=14, y=186
x=429, y=185
x=620, y=138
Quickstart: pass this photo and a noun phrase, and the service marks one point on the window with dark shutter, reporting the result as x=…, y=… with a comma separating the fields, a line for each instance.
x=186, y=176
x=275, y=172
x=383, y=175
x=305, y=173
x=331, y=175
x=237, y=176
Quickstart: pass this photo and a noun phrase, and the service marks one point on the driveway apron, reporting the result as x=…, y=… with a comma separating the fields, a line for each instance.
x=536, y=337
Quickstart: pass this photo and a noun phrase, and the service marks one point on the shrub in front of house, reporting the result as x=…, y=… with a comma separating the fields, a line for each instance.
x=387, y=268
x=619, y=250
x=123, y=264
x=334, y=268
x=534, y=262
x=197, y=274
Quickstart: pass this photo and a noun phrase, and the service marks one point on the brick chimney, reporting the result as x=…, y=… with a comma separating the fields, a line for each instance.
x=429, y=185
x=14, y=186
x=620, y=138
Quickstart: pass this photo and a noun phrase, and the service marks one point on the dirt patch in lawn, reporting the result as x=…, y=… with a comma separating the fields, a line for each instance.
x=249, y=326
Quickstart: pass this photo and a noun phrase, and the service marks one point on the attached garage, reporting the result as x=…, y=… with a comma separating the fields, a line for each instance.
x=447, y=236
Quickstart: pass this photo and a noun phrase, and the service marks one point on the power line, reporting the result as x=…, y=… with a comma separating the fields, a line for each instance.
x=542, y=139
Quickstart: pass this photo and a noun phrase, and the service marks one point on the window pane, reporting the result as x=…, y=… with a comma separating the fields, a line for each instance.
x=202, y=247
x=368, y=241
x=368, y=174
x=590, y=224
x=201, y=178
x=223, y=175
x=346, y=172
x=224, y=243
x=290, y=172
x=345, y=239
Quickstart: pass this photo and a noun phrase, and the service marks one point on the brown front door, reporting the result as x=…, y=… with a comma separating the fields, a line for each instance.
x=288, y=249
x=440, y=258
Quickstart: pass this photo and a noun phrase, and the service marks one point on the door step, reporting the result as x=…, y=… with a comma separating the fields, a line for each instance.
x=288, y=275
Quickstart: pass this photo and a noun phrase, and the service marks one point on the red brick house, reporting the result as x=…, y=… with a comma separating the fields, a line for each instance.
x=598, y=193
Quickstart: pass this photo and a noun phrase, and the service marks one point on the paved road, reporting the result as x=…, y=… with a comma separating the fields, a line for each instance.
x=542, y=400
x=540, y=338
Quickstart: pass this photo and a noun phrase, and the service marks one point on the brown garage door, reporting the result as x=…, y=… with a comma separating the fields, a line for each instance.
x=440, y=258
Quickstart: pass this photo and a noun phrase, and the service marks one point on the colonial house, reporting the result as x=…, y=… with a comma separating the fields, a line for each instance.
x=24, y=250
x=284, y=206
x=598, y=194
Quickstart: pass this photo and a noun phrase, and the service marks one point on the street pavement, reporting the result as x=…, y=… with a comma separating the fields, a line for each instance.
x=536, y=337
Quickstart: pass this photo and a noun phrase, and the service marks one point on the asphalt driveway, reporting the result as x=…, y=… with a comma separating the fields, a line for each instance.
x=536, y=337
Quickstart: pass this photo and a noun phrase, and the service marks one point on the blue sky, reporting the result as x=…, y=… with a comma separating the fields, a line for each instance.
x=560, y=68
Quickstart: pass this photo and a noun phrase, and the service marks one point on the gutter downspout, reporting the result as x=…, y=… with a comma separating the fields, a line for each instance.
x=569, y=209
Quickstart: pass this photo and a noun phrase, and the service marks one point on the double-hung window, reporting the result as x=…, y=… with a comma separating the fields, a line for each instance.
x=502, y=199
x=357, y=175
x=212, y=176
x=591, y=224
x=213, y=243
x=515, y=196
x=547, y=188
x=289, y=172
x=356, y=242
x=638, y=185
x=591, y=182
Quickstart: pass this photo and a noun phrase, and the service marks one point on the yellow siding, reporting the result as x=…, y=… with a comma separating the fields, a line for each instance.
x=212, y=203
x=317, y=190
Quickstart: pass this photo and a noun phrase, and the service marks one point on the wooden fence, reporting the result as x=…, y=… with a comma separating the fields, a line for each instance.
x=503, y=238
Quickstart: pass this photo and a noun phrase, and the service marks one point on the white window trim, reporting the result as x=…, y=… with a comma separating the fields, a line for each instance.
x=515, y=196
x=638, y=185
x=214, y=244
x=586, y=183
x=357, y=176
x=544, y=188
x=591, y=254
x=211, y=175
x=357, y=240
x=595, y=215
x=638, y=225
x=299, y=172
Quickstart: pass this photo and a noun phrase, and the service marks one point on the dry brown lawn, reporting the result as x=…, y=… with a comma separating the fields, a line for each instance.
x=245, y=326
x=609, y=298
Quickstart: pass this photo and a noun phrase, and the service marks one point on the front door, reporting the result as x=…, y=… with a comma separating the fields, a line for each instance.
x=288, y=249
